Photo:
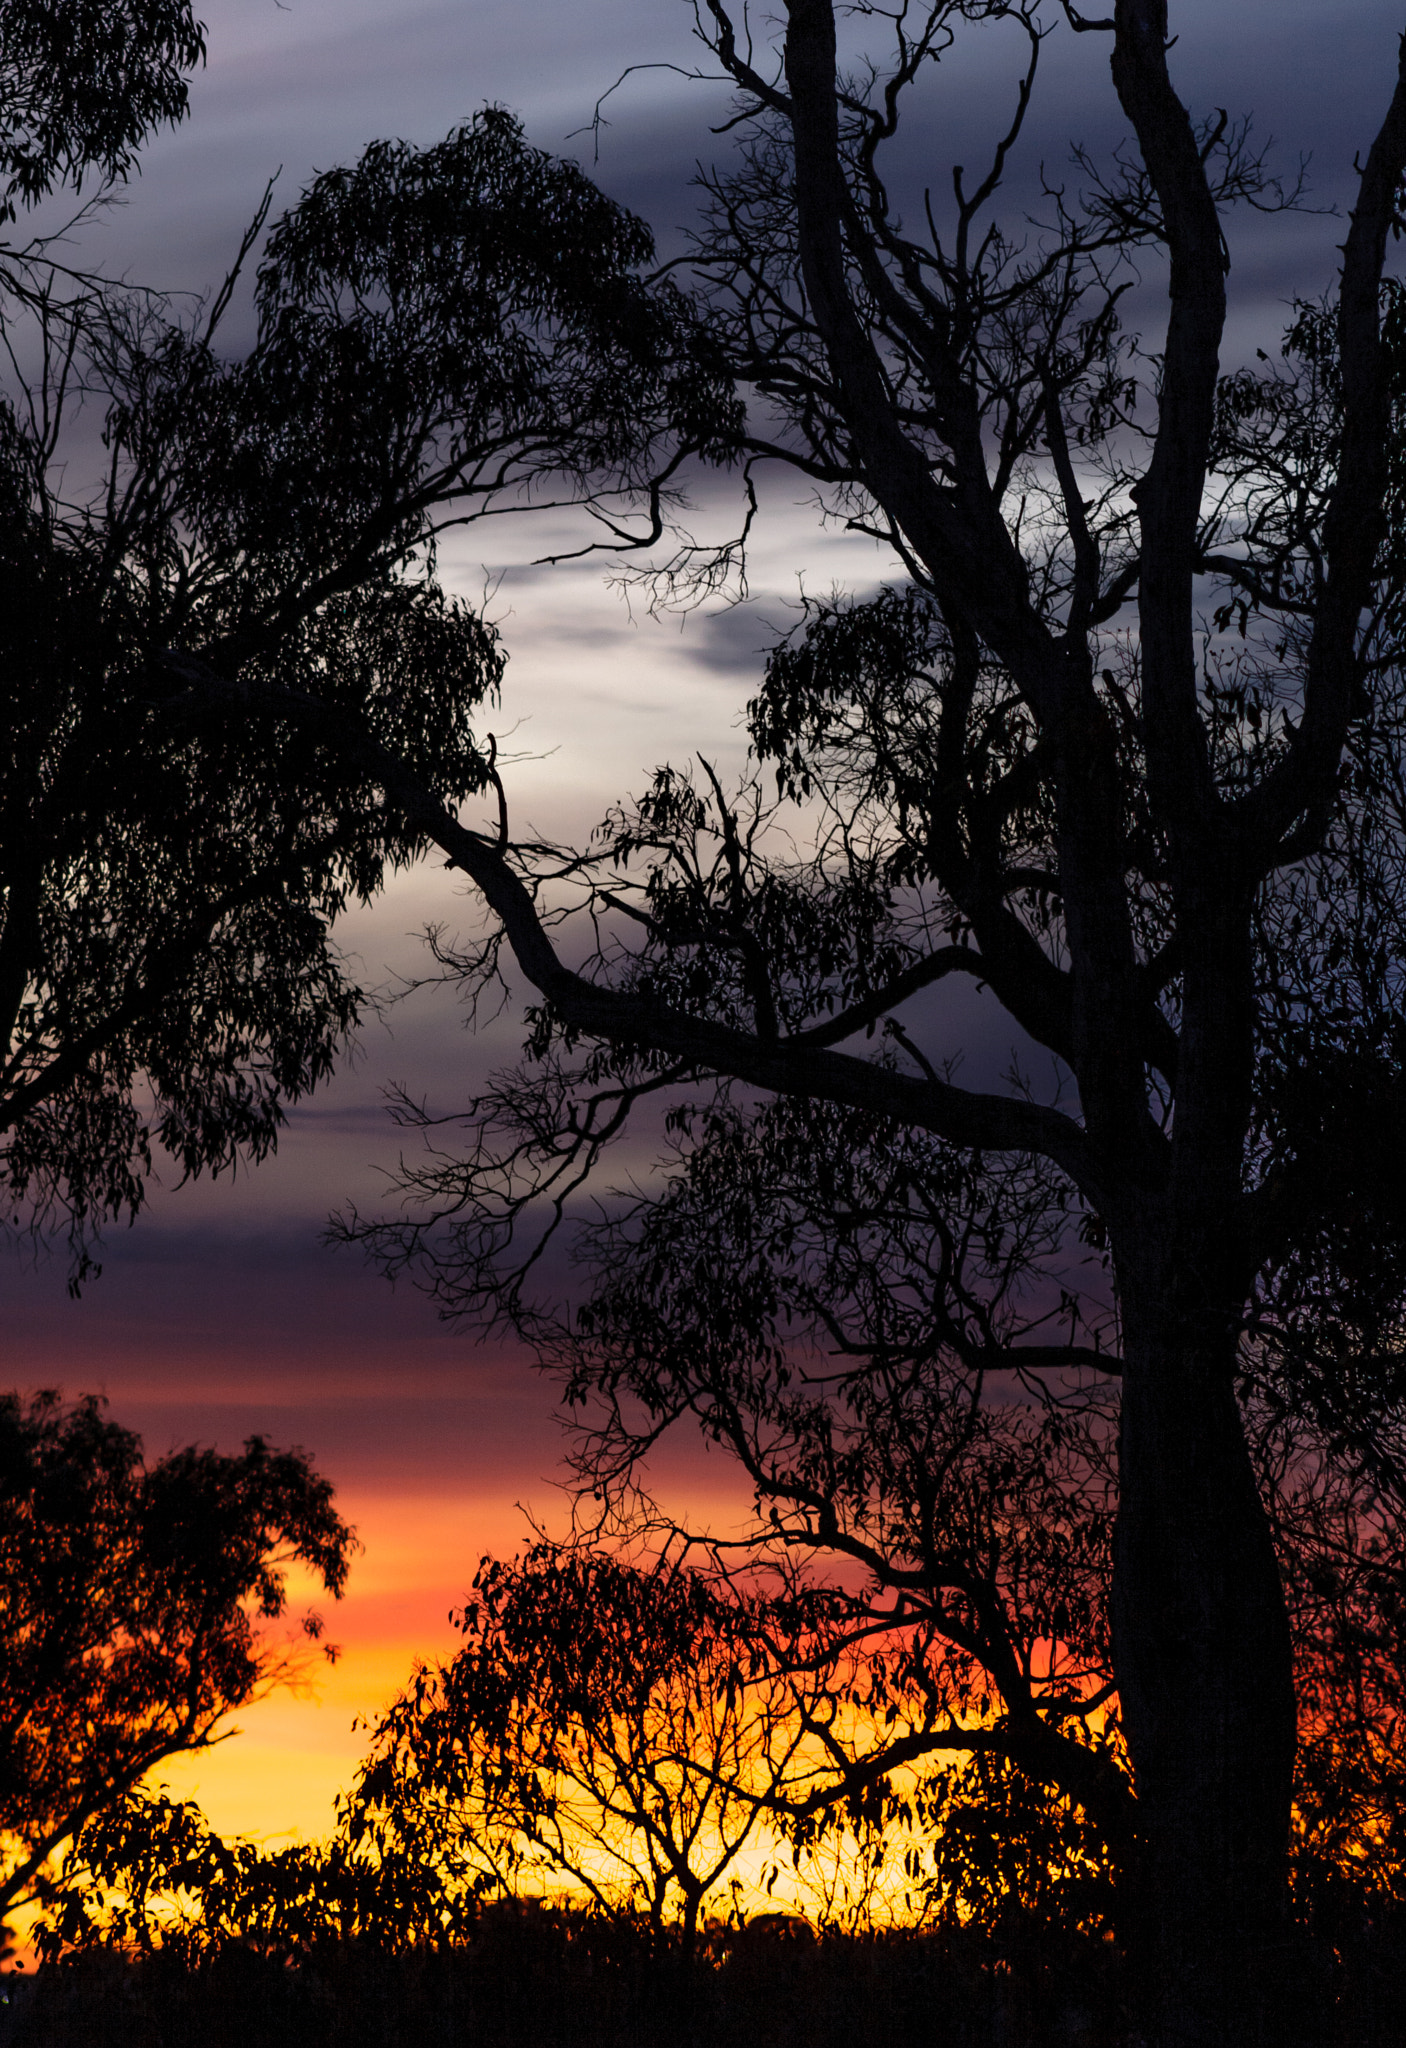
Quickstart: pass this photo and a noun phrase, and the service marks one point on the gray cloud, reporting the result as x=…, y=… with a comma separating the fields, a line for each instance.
x=222, y=1314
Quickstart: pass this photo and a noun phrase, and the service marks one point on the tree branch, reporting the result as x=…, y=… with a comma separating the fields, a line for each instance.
x=986, y=1122
x=1354, y=521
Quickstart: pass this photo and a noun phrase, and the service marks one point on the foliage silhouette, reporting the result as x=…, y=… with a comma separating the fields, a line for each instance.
x=443, y=334
x=149, y=1876
x=454, y=1810
x=626, y=1731
x=131, y=1604
x=83, y=84
x=618, y=1732
x=538, y=1979
x=617, y=1737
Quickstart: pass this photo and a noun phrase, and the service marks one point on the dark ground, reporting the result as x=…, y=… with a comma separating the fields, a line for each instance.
x=539, y=1980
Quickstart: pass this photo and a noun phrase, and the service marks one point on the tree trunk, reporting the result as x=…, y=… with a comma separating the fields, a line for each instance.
x=1204, y=1668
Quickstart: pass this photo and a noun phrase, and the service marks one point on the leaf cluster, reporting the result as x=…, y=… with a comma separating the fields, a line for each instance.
x=82, y=85
x=213, y=652
x=133, y=1606
x=149, y=1875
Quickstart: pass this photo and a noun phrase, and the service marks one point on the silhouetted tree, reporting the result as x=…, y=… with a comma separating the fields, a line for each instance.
x=132, y=1604
x=149, y=1874
x=1173, y=862
x=1126, y=756
x=617, y=1731
x=82, y=83
x=891, y=1363
x=442, y=333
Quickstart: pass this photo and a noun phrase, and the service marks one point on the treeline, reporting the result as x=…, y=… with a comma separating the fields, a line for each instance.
x=650, y=1745
x=554, y=1979
x=636, y=1797
x=654, y=1768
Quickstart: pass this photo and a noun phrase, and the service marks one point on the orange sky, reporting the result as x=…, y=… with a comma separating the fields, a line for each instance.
x=436, y=1446
x=430, y=1456
x=221, y=1315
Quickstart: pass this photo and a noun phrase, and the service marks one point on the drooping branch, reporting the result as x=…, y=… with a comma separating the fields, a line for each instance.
x=789, y=1065
x=1355, y=519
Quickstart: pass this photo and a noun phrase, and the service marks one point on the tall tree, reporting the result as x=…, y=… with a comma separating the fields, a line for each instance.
x=1171, y=854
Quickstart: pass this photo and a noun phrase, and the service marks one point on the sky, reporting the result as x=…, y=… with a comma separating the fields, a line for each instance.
x=222, y=1313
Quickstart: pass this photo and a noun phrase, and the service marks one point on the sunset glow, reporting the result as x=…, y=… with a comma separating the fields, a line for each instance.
x=703, y=962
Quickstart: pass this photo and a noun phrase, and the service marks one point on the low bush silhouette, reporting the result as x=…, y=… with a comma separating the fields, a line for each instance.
x=537, y=1977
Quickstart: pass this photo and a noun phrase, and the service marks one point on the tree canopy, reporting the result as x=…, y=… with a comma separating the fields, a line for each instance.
x=134, y=1604
x=171, y=856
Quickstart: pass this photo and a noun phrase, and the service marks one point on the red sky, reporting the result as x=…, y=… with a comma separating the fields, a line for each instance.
x=221, y=1315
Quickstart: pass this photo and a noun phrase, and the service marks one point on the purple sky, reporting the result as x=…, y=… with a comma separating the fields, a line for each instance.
x=221, y=1314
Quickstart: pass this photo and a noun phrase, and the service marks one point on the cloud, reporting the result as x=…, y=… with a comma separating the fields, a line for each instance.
x=222, y=1314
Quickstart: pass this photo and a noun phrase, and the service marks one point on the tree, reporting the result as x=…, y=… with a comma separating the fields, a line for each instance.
x=890, y=1362
x=443, y=333
x=1125, y=754
x=149, y=1874
x=81, y=86
x=875, y=1364
x=623, y=1731
x=132, y=1600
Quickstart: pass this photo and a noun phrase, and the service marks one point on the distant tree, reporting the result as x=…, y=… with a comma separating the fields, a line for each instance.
x=149, y=1873
x=442, y=334
x=133, y=1599
x=612, y=1731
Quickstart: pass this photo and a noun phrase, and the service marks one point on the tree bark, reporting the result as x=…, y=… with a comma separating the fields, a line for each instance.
x=1203, y=1661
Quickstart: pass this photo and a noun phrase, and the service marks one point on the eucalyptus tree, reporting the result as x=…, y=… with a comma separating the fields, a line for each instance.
x=442, y=333
x=1125, y=755
x=623, y=1733
x=133, y=1610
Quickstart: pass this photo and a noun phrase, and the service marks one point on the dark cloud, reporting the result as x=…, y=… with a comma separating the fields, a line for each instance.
x=222, y=1313
x=735, y=643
